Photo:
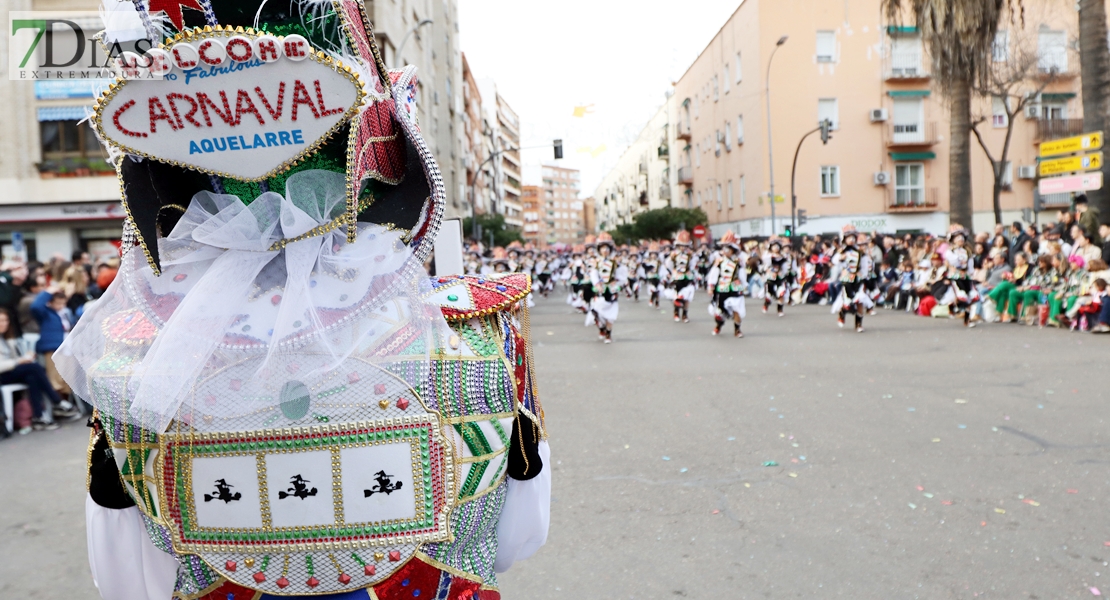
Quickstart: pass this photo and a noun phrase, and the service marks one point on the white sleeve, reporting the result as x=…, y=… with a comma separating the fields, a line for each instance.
x=125, y=564
x=522, y=528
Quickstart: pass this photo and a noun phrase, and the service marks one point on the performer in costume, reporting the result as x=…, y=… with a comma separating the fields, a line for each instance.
x=681, y=277
x=961, y=292
x=855, y=267
x=579, y=280
x=606, y=283
x=286, y=405
x=650, y=272
x=777, y=274
x=727, y=282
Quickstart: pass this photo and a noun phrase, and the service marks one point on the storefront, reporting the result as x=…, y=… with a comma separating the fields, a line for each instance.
x=37, y=232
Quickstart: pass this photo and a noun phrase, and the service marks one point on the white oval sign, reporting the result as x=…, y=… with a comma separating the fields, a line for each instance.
x=231, y=104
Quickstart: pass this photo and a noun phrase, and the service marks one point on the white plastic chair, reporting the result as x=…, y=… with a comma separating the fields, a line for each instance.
x=8, y=393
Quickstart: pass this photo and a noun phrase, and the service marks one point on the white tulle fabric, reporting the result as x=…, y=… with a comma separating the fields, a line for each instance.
x=290, y=310
x=125, y=564
x=522, y=528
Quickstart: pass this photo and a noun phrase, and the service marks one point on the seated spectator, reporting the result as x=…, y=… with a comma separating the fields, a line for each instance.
x=16, y=367
x=1086, y=296
x=1031, y=293
x=1011, y=281
x=999, y=248
x=1104, y=301
x=31, y=288
x=1084, y=248
x=55, y=321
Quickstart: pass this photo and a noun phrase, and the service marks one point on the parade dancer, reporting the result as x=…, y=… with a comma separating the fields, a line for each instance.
x=650, y=272
x=682, y=285
x=543, y=272
x=727, y=281
x=961, y=294
x=578, y=278
x=634, y=274
x=776, y=268
x=605, y=281
x=855, y=267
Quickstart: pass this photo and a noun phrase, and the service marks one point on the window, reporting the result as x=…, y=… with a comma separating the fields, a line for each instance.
x=909, y=184
x=739, y=75
x=1000, y=50
x=728, y=137
x=1051, y=110
x=725, y=79
x=716, y=89
x=68, y=139
x=718, y=197
x=826, y=46
x=730, y=194
x=696, y=111
x=1052, y=51
x=697, y=156
x=999, y=117
x=740, y=129
x=905, y=56
x=743, y=192
x=907, y=120
x=717, y=144
x=830, y=181
x=699, y=198
x=827, y=109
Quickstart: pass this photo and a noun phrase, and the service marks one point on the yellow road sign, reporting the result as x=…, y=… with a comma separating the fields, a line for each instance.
x=1080, y=143
x=1071, y=164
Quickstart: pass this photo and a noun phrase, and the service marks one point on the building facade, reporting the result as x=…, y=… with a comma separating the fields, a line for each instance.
x=477, y=146
x=563, y=218
x=640, y=179
x=534, y=229
x=886, y=167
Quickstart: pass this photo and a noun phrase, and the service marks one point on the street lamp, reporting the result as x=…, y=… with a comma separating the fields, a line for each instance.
x=405, y=40
x=770, y=152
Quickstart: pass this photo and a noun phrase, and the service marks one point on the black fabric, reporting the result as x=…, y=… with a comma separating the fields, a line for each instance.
x=105, y=486
x=401, y=205
x=527, y=447
x=148, y=187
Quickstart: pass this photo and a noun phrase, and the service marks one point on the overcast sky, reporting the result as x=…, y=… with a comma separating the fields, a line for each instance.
x=618, y=55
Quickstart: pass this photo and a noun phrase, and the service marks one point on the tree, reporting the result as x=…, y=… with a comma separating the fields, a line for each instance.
x=1007, y=81
x=661, y=223
x=959, y=35
x=492, y=224
x=1094, y=65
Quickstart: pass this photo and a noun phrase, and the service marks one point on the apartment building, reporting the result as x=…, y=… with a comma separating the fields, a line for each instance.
x=534, y=230
x=563, y=219
x=640, y=179
x=477, y=146
x=886, y=167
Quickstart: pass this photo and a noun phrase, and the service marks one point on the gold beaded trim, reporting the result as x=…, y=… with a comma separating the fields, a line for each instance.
x=328, y=227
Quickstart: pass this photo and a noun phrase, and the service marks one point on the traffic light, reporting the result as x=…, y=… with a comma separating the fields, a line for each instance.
x=788, y=231
x=558, y=149
x=826, y=131
x=802, y=217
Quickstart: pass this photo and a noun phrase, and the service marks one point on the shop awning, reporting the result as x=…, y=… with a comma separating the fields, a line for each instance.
x=901, y=156
x=908, y=93
x=893, y=29
x=62, y=113
x=1057, y=97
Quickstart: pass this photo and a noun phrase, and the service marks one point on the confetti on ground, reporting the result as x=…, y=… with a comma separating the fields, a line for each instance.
x=1000, y=511
x=626, y=446
x=550, y=333
x=794, y=460
x=1106, y=544
x=946, y=502
x=912, y=506
x=1031, y=502
x=1072, y=491
x=927, y=495
x=683, y=470
x=748, y=485
x=961, y=401
x=961, y=426
x=920, y=488
x=982, y=523
x=1040, y=406
x=911, y=409
x=770, y=463
x=716, y=512
x=1095, y=592
x=935, y=440
x=666, y=458
x=793, y=474
x=801, y=458
x=731, y=439
x=994, y=429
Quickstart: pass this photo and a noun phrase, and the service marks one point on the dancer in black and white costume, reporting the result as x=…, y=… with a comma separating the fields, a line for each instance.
x=727, y=281
x=777, y=269
x=605, y=278
x=961, y=294
x=651, y=273
x=855, y=267
x=682, y=283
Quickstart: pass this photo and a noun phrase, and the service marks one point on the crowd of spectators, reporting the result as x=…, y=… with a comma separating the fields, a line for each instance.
x=1053, y=275
x=39, y=305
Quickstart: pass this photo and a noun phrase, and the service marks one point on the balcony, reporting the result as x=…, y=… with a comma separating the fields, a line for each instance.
x=906, y=65
x=1053, y=129
x=686, y=176
x=912, y=134
x=665, y=192
x=912, y=200
x=682, y=132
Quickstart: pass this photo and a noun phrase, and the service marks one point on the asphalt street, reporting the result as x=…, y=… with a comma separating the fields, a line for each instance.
x=915, y=460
